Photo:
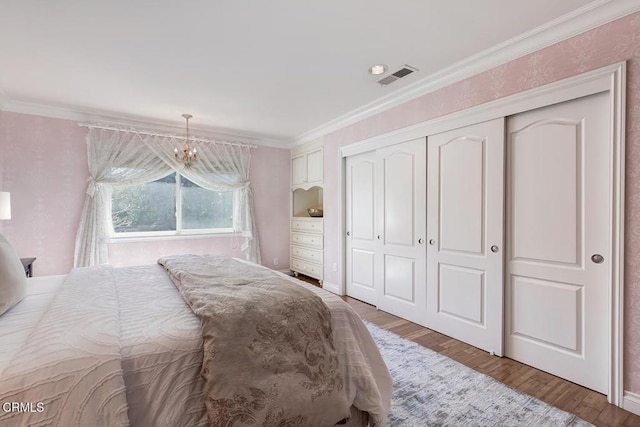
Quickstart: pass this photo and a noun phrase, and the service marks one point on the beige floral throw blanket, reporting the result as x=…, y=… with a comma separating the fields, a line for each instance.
x=269, y=357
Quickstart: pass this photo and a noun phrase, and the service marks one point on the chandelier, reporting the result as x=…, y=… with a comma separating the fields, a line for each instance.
x=188, y=154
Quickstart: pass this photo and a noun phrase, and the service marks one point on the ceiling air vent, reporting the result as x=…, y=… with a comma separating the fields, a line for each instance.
x=402, y=72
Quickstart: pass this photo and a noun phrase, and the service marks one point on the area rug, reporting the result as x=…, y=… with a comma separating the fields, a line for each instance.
x=430, y=389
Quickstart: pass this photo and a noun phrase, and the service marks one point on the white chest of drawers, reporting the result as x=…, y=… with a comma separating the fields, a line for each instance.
x=306, y=246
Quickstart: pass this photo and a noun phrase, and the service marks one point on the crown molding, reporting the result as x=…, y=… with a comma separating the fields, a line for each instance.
x=590, y=16
x=583, y=19
x=4, y=100
x=97, y=116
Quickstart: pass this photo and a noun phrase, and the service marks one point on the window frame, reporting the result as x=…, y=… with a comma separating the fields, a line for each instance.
x=178, y=233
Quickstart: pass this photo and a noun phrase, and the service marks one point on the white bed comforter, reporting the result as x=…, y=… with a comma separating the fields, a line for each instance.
x=68, y=371
x=159, y=355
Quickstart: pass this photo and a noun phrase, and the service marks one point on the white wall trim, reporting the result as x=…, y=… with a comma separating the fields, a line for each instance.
x=581, y=20
x=98, y=116
x=331, y=287
x=4, y=100
x=610, y=79
x=631, y=402
x=616, y=327
x=573, y=87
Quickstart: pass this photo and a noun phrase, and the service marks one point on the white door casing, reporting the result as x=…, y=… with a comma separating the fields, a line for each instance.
x=401, y=226
x=558, y=217
x=361, y=224
x=465, y=234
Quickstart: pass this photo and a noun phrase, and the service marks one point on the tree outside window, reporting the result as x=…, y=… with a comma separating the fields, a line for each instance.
x=170, y=205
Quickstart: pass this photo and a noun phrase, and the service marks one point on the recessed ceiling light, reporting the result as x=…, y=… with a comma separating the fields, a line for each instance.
x=378, y=69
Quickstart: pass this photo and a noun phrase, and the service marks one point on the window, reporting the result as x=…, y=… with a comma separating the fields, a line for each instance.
x=172, y=205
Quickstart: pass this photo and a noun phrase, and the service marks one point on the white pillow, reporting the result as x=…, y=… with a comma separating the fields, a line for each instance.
x=13, y=281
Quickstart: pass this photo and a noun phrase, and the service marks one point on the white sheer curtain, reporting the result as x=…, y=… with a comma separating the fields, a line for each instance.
x=115, y=158
x=220, y=167
x=118, y=158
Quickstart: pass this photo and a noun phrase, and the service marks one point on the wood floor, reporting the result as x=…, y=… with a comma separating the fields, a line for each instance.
x=587, y=404
x=570, y=397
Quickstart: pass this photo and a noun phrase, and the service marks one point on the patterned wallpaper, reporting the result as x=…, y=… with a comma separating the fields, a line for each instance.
x=43, y=163
x=605, y=45
x=44, y=166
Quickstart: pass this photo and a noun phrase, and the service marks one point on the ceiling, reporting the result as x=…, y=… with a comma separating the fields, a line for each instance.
x=270, y=70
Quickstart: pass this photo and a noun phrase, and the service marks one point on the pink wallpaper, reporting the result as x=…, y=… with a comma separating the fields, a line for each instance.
x=608, y=44
x=43, y=163
x=44, y=166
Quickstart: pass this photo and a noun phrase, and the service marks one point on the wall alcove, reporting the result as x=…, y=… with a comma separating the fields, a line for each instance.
x=306, y=199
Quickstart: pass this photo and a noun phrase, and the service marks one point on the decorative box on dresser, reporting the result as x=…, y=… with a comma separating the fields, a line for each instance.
x=307, y=242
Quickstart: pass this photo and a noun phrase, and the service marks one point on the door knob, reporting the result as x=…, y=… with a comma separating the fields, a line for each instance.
x=348, y=233
x=597, y=258
x=379, y=237
x=432, y=242
x=420, y=241
x=495, y=248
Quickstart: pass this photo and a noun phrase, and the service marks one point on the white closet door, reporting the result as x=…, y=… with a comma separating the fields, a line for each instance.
x=361, y=223
x=465, y=232
x=558, y=229
x=401, y=224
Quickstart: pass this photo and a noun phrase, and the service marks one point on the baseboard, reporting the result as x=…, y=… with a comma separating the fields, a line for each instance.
x=285, y=271
x=631, y=402
x=331, y=287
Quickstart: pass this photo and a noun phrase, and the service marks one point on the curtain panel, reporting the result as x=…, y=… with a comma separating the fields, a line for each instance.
x=121, y=158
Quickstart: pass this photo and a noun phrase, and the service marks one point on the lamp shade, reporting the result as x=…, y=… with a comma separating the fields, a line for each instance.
x=5, y=205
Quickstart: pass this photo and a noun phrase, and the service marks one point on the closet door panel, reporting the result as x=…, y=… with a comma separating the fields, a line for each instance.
x=461, y=192
x=463, y=293
x=361, y=227
x=400, y=277
x=465, y=232
x=362, y=199
x=399, y=169
x=558, y=225
x=401, y=224
x=547, y=191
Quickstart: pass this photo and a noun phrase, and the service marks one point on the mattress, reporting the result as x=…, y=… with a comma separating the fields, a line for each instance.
x=161, y=346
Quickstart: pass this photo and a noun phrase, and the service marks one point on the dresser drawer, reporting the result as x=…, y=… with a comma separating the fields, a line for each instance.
x=304, y=239
x=306, y=254
x=307, y=268
x=307, y=225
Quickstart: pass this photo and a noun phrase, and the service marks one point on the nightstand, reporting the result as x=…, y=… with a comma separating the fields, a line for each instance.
x=27, y=263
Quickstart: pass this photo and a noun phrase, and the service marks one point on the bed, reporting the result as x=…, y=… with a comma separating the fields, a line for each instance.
x=121, y=346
